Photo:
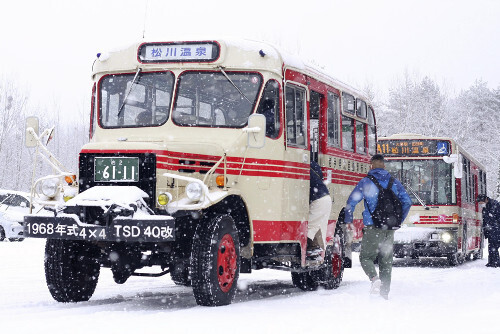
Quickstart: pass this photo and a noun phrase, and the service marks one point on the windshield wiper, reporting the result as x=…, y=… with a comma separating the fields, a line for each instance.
x=128, y=92
x=232, y=83
x=417, y=197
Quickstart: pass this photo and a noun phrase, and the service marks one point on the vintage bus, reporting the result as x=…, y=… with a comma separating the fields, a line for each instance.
x=199, y=163
x=443, y=181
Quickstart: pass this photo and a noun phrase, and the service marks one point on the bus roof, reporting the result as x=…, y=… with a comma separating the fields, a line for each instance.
x=234, y=54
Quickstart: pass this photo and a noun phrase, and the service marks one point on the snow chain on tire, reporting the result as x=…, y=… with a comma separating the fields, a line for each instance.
x=71, y=269
x=216, y=239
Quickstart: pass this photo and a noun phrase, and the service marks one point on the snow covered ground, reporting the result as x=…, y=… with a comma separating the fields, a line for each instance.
x=426, y=297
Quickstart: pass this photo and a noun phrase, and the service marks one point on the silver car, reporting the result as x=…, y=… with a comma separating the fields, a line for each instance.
x=14, y=205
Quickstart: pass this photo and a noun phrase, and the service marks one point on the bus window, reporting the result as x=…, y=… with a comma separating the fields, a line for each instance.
x=430, y=179
x=348, y=103
x=347, y=133
x=126, y=102
x=210, y=99
x=333, y=119
x=360, y=108
x=360, y=137
x=372, y=133
x=270, y=107
x=93, y=119
x=295, y=116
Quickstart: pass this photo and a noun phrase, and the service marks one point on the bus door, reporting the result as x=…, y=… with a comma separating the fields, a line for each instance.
x=314, y=110
x=297, y=153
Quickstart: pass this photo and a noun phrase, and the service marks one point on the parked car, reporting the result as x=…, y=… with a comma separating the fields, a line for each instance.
x=14, y=205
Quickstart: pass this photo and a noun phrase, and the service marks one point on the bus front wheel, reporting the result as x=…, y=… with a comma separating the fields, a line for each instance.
x=215, y=261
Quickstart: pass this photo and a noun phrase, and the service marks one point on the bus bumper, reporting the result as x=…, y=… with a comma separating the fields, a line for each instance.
x=145, y=229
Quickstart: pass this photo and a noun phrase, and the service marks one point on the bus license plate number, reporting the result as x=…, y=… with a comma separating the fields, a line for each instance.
x=116, y=169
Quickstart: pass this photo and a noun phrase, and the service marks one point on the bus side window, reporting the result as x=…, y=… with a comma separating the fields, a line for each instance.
x=372, y=133
x=360, y=137
x=347, y=133
x=269, y=106
x=333, y=119
x=295, y=98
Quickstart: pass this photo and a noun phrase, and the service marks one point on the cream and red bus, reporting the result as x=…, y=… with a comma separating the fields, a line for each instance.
x=199, y=162
x=443, y=181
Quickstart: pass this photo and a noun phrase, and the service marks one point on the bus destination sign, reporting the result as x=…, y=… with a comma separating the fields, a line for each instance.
x=178, y=52
x=413, y=147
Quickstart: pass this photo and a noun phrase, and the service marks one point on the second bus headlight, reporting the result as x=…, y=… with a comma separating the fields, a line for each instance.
x=446, y=237
x=194, y=191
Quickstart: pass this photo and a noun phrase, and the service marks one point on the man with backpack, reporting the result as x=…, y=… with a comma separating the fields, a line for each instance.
x=386, y=206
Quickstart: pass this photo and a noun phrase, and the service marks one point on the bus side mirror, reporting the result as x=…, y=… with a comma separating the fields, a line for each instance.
x=456, y=160
x=256, y=131
x=31, y=129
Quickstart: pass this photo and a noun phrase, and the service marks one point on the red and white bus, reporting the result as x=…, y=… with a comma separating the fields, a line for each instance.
x=443, y=181
x=215, y=138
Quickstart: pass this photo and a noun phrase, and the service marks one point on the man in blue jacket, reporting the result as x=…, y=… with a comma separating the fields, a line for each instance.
x=377, y=241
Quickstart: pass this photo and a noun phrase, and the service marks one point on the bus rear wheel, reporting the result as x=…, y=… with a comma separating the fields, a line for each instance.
x=215, y=261
x=334, y=255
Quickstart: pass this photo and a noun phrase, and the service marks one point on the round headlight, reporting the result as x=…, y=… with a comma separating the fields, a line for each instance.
x=50, y=187
x=164, y=198
x=194, y=191
x=446, y=237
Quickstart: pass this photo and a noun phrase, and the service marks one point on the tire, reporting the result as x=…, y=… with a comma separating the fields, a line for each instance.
x=334, y=255
x=2, y=233
x=215, y=261
x=479, y=254
x=453, y=259
x=305, y=280
x=71, y=269
x=180, y=275
x=14, y=239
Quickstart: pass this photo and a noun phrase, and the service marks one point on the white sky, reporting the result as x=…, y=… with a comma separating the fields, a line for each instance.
x=49, y=46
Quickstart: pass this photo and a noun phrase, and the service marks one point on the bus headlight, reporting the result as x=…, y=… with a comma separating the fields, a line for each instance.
x=49, y=187
x=164, y=198
x=194, y=191
x=446, y=237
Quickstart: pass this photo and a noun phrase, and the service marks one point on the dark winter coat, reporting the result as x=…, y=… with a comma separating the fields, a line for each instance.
x=491, y=220
x=367, y=190
x=317, y=188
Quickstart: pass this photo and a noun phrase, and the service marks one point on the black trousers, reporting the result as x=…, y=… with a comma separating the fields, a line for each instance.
x=493, y=244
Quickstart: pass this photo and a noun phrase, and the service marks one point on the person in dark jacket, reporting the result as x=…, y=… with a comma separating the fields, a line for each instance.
x=320, y=205
x=491, y=228
x=377, y=243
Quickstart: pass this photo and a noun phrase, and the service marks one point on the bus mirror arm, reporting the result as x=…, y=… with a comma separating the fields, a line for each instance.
x=456, y=160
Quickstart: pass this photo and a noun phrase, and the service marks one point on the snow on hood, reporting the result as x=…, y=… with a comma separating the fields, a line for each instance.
x=408, y=234
x=108, y=195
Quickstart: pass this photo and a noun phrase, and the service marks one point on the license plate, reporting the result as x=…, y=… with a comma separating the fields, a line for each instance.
x=116, y=169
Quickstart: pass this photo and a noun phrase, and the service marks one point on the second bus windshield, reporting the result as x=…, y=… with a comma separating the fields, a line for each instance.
x=430, y=179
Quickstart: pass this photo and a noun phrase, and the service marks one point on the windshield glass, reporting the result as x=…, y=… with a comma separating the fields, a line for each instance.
x=210, y=99
x=145, y=102
x=430, y=179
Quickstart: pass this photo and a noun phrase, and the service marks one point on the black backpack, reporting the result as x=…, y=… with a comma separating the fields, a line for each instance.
x=389, y=212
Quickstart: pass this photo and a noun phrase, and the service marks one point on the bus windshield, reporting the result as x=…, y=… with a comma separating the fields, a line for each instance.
x=135, y=100
x=430, y=179
x=215, y=99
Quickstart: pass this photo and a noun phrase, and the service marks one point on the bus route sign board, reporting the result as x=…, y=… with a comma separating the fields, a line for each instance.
x=413, y=147
x=178, y=52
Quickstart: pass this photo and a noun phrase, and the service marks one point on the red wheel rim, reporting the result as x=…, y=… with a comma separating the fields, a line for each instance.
x=336, y=258
x=226, y=263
